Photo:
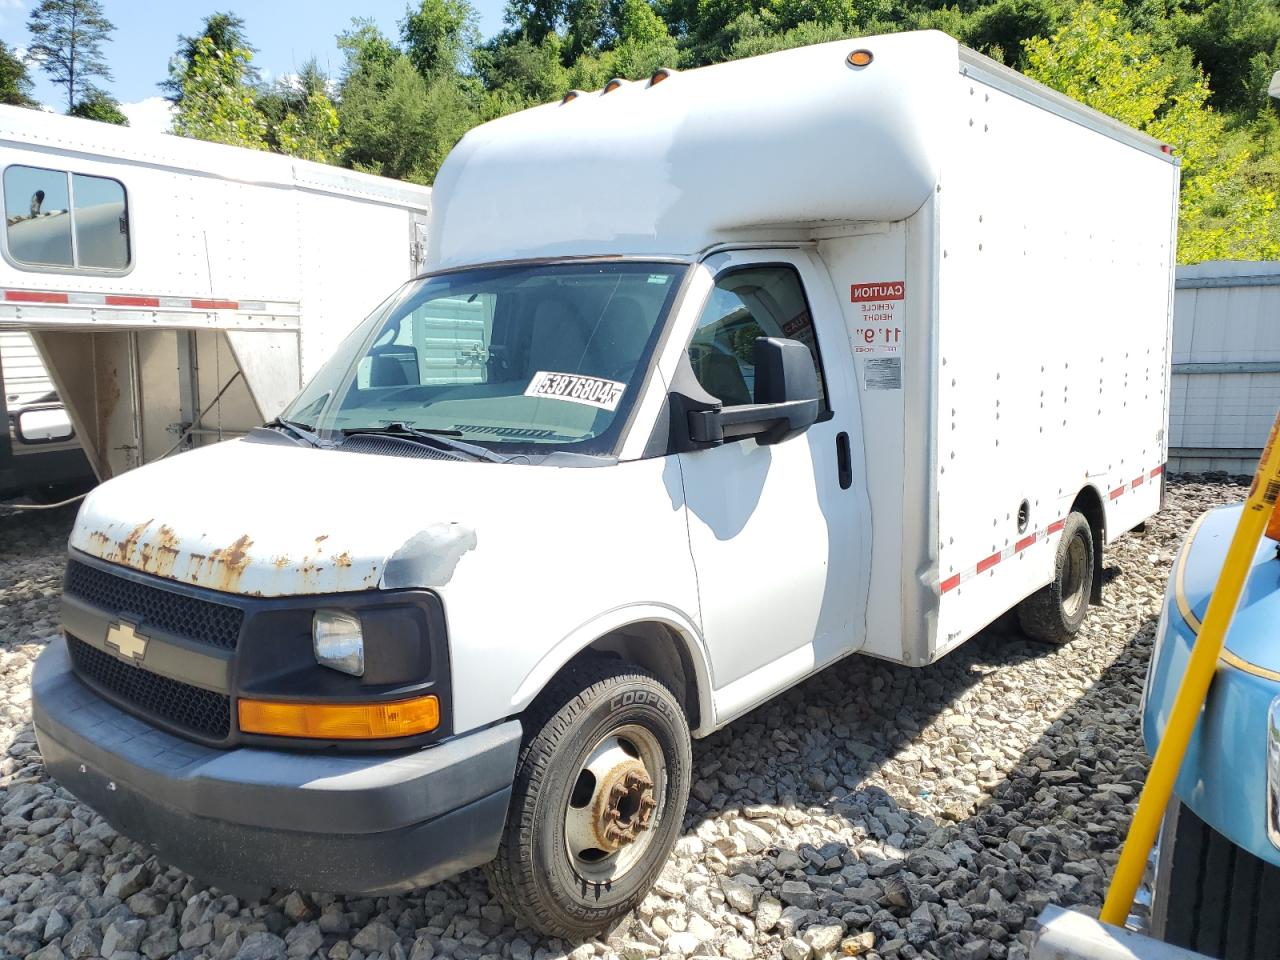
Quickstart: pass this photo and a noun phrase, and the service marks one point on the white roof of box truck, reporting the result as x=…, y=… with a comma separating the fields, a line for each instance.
x=790, y=140
x=21, y=126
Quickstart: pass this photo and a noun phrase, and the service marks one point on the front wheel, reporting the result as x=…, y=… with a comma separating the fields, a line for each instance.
x=598, y=800
x=1056, y=612
x=1210, y=895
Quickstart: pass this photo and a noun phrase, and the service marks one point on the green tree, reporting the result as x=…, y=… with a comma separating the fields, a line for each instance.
x=1238, y=44
x=15, y=80
x=290, y=98
x=1094, y=58
x=438, y=35
x=217, y=102
x=517, y=72
x=67, y=38
x=312, y=132
x=225, y=31
x=398, y=123
x=368, y=53
x=100, y=105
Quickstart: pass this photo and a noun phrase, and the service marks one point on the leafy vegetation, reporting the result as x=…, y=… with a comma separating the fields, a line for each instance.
x=1192, y=73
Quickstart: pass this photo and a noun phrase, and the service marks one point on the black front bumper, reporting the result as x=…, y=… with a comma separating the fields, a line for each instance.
x=251, y=817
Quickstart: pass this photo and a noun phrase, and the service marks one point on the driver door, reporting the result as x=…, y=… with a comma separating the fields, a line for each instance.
x=775, y=530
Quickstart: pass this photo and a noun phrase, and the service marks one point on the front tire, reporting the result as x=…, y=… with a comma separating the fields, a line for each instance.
x=1212, y=896
x=599, y=797
x=1056, y=612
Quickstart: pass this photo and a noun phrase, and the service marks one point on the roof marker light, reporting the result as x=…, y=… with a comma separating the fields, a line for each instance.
x=1165, y=148
x=859, y=58
x=571, y=95
x=659, y=75
x=612, y=85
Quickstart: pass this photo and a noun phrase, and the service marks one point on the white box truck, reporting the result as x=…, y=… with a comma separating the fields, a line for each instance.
x=179, y=292
x=845, y=349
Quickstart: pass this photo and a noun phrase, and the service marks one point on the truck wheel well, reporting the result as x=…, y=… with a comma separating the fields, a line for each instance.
x=658, y=649
x=1089, y=503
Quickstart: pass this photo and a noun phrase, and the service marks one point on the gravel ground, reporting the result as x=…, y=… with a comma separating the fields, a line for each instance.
x=872, y=811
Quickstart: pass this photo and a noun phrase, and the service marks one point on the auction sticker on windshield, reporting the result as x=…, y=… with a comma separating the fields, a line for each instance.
x=592, y=391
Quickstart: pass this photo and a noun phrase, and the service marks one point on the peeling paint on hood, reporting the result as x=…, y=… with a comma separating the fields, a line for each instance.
x=266, y=520
x=429, y=557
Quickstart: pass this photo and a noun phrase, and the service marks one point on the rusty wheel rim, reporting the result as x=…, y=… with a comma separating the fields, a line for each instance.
x=615, y=803
x=1075, y=588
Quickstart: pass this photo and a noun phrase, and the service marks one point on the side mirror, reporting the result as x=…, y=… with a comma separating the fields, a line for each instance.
x=786, y=395
x=43, y=425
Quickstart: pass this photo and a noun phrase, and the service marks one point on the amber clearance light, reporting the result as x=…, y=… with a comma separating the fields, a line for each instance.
x=860, y=58
x=340, y=721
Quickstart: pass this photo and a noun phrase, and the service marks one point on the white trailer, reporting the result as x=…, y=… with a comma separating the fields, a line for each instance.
x=178, y=291
x=844, y=349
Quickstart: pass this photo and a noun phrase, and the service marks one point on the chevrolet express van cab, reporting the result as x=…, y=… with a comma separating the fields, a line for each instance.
x=711, y=381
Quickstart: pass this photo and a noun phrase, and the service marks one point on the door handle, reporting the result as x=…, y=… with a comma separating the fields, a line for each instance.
x=844, y=460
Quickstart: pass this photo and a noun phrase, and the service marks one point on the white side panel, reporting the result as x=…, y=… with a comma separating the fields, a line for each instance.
x=1053, y=342
x=878, y=256
x=268, y=359
x=25, y=378
x=351, y=256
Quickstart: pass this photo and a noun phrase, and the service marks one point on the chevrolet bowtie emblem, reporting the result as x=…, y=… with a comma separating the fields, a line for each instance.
x=127, y=640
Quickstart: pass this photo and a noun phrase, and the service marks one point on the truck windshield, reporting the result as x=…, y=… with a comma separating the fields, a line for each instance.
x=529, y=358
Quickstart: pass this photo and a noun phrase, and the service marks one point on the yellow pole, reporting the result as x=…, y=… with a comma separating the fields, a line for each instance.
x=1195, y=684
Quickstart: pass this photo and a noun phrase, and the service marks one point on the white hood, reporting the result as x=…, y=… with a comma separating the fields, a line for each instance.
x=267, y=520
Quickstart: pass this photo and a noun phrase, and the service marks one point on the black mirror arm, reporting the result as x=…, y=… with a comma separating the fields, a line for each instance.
x=768, y=422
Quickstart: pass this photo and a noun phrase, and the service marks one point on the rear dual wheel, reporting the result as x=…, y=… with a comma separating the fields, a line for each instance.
x=599, y=796
x=1055, y=613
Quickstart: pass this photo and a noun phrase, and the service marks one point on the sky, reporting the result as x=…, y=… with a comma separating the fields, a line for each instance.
x=286, y=34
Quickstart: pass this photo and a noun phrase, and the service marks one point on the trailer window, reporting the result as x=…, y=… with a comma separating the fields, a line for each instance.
x=764, y=301
x=70, y=221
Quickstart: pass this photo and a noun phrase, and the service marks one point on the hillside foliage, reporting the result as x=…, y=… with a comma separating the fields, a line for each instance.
x=1191, y=73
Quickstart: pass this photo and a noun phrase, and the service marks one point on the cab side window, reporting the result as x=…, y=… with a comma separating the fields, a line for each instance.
x=764, y=301
x=56, y=219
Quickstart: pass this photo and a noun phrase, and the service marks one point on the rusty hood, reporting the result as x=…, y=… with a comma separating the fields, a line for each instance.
x=268, y=520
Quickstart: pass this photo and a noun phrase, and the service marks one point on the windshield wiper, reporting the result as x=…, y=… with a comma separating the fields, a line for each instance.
x=298, y=430
x=440, y=439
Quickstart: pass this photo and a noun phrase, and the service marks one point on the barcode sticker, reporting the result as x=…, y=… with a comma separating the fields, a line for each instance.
x=1272, y=493
x=575, y=388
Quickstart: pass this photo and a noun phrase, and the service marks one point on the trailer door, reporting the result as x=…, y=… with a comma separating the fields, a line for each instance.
x=774, y=529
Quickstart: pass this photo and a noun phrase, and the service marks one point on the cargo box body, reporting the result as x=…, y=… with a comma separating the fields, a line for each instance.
x=1035, y=320
x=1002, y=256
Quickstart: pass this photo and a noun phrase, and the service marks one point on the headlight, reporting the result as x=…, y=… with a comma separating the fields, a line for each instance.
x=338, y=641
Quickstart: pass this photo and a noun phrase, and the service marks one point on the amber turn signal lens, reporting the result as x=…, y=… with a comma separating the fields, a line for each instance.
x=860, y=58
x=1273, y=526
x=340, y=721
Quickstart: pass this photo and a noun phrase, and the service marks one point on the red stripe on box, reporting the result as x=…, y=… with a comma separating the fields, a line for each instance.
x=1024, y=543
x=987, y=564
x=950, y=583
x=215, y=305
x=120, y=300
x=1116, y=492
x=1157, y=471
x=1138, y=481
x=1057, y=525
x=34, y=296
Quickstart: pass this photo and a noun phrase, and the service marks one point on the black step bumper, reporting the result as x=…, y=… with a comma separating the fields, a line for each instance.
x=248, y=817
